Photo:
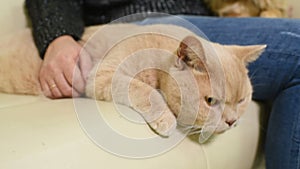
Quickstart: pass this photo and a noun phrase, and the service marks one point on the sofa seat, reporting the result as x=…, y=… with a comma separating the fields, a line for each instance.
x=39, y=133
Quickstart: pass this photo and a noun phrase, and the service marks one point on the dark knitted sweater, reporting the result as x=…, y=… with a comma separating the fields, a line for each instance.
x=53, y=18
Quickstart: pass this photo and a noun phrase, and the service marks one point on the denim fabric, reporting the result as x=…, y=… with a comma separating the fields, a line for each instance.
x=275, y=75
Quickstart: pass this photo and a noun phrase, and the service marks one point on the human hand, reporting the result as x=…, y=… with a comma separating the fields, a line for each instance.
x=64, y=69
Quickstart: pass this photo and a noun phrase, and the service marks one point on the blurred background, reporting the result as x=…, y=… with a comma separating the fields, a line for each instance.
x=12, y=14
x=294, y=7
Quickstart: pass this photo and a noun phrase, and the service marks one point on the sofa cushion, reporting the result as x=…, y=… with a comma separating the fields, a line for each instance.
x=41, y=133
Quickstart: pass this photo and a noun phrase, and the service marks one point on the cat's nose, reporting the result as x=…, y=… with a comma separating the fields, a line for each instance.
x=230, y=122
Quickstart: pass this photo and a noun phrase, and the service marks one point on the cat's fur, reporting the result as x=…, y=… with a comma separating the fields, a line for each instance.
x=248, y=8
x=196, y=78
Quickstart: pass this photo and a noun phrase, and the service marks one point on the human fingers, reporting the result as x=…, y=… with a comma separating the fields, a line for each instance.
x=64, y=87
x=58, y=65
x=54, y=89
x=45, y=88
x=85, y=64
x=47, y=76
x=74, y=78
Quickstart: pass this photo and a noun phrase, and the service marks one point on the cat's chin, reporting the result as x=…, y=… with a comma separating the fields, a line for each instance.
x=221, y=130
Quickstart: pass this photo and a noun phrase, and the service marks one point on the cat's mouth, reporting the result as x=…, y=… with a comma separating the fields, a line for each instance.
x=225, y=127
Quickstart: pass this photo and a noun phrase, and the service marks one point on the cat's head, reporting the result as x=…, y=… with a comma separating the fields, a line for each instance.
x=221, y=89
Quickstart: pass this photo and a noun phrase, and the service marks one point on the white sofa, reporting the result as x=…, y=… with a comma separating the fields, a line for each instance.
x=39, y=133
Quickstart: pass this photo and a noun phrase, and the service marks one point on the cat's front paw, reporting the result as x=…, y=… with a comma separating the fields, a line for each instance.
x=165, y=124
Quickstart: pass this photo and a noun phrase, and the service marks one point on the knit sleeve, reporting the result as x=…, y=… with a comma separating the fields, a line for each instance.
x=53, y=18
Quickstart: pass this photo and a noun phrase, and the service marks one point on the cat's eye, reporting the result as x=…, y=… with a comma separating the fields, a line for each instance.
x=211, y=101
x=241, y=100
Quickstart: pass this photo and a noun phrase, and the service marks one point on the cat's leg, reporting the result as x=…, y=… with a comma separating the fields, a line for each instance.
x=152, y=106
x=138, y=95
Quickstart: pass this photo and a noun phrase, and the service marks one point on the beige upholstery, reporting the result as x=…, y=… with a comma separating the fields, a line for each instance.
x=38, y=133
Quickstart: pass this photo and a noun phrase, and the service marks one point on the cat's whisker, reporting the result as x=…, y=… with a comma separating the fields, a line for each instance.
x=190, y=129
x=254, y=76
x=195, y=131
x=254, y=73
x=261, y=127
x=185, y=127
x=258, y=85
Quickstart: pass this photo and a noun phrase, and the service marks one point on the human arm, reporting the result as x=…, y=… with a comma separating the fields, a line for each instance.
x=56, y=25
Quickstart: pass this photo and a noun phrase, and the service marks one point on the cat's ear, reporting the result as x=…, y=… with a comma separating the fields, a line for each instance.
x=192, y=53
x=249, y=53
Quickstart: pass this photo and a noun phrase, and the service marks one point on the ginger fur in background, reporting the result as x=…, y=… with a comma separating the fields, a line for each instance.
x=248, y=8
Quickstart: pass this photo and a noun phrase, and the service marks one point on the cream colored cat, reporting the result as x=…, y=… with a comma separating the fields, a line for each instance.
x=166, y=73
x=248, y=8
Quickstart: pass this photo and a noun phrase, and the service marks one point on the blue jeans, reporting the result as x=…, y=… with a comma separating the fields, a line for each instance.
x=275, y=75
